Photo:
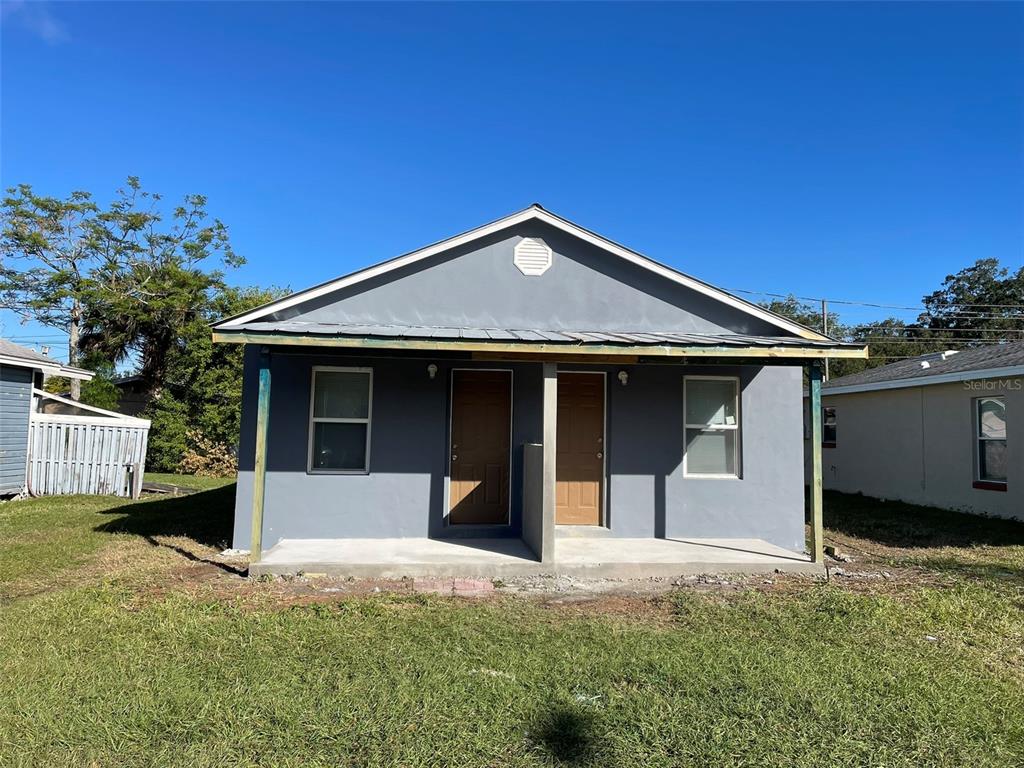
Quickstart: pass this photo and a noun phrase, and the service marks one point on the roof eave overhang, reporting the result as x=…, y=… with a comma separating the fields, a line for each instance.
x=925, y=381
x=540, y=349
x=50, y=369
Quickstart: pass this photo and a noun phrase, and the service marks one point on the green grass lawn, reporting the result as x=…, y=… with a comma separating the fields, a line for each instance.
x=43, y=539
x=188, y=481
x=167, y=660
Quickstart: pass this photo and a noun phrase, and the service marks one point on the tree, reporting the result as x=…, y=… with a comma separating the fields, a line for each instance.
x=888, y=339
x=47, y=252
x=199, y=404
x=100, y=391
x=152, y=281
x=207, y=377
x=168, y=432
x=892, y=339
x=980, y=302
x=808, y=315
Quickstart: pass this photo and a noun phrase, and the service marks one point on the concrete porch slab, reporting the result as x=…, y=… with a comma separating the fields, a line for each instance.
x=644, y=558
x=609, y=558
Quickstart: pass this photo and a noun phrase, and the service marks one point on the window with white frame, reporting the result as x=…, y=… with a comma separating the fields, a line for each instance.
x=339, y=416
x=991, y=439
x=712, y=408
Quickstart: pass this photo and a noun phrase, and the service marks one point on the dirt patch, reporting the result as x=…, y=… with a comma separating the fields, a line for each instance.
x=156, y=566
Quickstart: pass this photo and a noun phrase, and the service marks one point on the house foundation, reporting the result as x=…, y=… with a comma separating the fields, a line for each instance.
x=607, y=558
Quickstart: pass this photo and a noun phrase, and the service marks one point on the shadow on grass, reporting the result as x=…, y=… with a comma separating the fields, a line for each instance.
x=567, y=735
x=988, y=572
x=897, y=524
x=204, y=517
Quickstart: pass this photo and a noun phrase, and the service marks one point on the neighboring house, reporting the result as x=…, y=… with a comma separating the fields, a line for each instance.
x=21, y=370
x=944, y=430
x=524, y=380
x=133, y=396
x=50, y=444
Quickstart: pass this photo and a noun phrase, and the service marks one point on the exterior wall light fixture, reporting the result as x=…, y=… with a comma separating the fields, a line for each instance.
x=623, y=378
x=432, y=370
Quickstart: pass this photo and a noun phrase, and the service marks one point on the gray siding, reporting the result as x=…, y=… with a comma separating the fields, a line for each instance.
x=403, y=494
x=15, y=407
x=917, y=444
x=649, y=496
x=478, y=286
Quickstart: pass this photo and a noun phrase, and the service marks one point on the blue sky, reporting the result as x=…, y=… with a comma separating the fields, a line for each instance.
x=851, y=151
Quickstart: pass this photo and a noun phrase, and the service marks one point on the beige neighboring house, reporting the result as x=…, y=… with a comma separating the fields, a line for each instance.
x=944, y=430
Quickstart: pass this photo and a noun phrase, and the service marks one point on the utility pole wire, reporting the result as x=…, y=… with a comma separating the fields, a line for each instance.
x=862, y=303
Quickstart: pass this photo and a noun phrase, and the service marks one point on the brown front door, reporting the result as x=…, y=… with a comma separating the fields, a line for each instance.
x=579, y=469
x=480, y=447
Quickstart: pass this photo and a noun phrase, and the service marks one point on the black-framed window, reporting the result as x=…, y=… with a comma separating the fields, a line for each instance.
x=339, y=414
x=828, y=425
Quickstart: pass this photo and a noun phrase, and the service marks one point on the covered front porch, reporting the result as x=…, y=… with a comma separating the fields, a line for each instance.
x=654, y=516
x=578, y=556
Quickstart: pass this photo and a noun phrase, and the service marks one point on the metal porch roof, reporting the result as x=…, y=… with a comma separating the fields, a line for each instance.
x=529, y=336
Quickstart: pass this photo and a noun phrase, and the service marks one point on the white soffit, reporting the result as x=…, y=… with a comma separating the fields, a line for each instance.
x=532, y=256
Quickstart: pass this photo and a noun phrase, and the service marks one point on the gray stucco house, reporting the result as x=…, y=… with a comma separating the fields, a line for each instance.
x=527, y=394
x=944, y=429
x=21, y=370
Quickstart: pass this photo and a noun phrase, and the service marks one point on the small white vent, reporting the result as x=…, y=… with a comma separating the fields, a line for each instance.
x=532, y=256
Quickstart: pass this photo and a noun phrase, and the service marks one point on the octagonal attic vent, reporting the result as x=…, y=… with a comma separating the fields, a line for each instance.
x=532, y=256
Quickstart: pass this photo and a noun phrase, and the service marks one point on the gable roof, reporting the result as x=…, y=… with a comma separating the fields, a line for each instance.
x=534, y=213
x=18, y=356
x=986, y=362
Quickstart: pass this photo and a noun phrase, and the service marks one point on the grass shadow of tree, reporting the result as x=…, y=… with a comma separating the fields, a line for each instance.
x=988, y=572
x=908, y=526
x=205, y=518
x=567, y=735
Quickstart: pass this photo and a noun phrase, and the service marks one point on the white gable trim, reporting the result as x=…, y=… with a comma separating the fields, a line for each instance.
x=533, y=213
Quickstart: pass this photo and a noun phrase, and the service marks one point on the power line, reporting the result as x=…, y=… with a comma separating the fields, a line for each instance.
x=972, y=342
x=850, y=302
x=938, y=332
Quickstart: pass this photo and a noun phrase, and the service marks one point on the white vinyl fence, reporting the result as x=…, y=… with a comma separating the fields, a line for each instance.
x=86, y=454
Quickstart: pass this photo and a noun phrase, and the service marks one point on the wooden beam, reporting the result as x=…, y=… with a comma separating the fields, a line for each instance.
x=814, y=403
x=536, y=350
x=260, y=466
x=566, y=358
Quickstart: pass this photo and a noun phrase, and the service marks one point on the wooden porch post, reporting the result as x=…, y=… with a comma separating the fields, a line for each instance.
x=260, y=467
x=817, y=533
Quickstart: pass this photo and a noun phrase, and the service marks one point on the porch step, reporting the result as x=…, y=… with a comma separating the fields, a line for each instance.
x=582, y=532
